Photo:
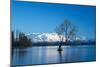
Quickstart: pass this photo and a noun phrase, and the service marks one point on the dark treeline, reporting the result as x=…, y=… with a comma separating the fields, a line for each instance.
x=74, y=43
x=21, y=40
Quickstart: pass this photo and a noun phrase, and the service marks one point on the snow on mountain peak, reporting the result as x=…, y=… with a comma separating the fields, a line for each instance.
x=49, y=37
x=40, y=37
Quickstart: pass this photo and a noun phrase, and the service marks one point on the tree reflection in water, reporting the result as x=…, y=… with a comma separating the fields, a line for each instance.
x=60, y=56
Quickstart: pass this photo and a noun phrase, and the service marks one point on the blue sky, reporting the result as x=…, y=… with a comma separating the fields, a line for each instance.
x=38, y=17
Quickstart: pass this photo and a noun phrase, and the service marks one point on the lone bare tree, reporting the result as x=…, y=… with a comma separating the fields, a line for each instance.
x=65, y=31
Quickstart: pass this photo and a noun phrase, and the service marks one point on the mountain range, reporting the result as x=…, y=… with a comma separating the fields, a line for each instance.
x=52, y=37
x=40, y=37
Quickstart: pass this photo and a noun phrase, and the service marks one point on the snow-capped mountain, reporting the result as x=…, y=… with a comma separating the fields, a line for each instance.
x=50, y=37
x=40, y=37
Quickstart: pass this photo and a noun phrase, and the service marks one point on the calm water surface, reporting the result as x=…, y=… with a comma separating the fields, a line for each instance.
x=49, y=54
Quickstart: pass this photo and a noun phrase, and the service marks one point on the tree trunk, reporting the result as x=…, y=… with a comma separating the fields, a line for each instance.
x=60, y=49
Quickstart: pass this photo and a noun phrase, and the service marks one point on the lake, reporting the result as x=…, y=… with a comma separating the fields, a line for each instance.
x=49, y=54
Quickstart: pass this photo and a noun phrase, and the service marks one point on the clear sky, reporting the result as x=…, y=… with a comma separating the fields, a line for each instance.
x=35, y=17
